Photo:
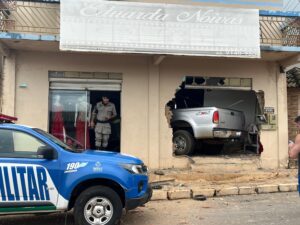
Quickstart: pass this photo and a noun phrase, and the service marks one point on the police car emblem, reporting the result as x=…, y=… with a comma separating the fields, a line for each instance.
x=97, y=167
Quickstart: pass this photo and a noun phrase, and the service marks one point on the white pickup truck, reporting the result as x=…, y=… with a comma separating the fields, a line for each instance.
x=206, y=116
x=205, y=123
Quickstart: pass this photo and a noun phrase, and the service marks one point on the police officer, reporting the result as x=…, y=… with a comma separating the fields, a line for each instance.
x=103, y=113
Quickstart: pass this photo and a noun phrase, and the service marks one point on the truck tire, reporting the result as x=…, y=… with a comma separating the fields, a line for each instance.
x=98, y=204
x=183, y=142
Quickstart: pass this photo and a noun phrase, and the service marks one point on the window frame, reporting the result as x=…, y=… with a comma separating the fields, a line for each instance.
x=26, y=155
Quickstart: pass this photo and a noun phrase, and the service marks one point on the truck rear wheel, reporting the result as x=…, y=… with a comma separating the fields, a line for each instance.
x=98, y=205
x=183, y=142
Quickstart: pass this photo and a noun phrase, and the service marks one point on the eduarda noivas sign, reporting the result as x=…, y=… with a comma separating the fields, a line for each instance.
x=130, y=27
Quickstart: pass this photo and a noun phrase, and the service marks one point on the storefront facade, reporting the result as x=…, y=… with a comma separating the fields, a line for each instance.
x=144, y=83
x=145, y=89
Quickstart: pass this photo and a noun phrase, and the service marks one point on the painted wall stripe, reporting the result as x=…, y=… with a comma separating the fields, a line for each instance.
x=27, y=209
x=279, y=13
x=280, y=48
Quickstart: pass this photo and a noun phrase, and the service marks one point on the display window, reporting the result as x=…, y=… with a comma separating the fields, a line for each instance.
x=87, y=119
x=70, y=114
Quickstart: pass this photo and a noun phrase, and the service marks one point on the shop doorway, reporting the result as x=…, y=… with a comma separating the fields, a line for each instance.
x=71, y=104
x=115, y=98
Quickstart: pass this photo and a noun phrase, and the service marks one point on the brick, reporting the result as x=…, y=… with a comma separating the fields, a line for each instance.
x=179, y=194
x=288, y=187
x=159, y=195
x=247, y=190
x=208, y=192
x=271, y=188
x=228, y=191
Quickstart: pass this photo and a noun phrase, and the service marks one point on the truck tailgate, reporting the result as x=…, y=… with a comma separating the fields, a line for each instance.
x=231, y=119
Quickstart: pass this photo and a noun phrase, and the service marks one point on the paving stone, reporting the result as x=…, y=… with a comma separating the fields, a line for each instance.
x=228, y=191
x=288, y=187
x=179, y=194
x=208, y=192
x=269, y=188
x=159, y=195
x=247, y=190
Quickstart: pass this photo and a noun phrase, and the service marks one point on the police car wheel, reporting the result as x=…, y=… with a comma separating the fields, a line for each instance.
x=98, y=205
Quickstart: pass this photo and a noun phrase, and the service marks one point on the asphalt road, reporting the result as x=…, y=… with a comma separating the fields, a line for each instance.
x=269, y=209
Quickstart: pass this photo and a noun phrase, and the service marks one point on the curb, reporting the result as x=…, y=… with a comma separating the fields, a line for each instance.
x=188, y=193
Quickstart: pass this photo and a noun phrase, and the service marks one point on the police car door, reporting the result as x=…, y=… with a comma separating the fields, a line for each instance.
x=25, y=180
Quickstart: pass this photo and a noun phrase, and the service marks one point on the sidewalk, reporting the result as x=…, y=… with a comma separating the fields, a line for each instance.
x=174, y=184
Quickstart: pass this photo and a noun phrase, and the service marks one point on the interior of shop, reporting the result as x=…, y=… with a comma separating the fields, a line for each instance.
x=71, y=115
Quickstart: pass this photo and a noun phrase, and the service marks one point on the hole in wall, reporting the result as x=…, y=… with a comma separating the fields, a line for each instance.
x=216, y=116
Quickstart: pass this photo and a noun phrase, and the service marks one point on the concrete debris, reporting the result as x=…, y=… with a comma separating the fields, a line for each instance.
x=269, y=188
x=159, y=172
x=185, y=184
x=227, y=191
x=288, y=187
x=179, y=194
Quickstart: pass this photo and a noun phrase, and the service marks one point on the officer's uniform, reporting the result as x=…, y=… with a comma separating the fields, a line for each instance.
x=103, y=128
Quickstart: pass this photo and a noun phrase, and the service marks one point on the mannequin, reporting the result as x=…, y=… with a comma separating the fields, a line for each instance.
x=57, y=126
x=82, y=121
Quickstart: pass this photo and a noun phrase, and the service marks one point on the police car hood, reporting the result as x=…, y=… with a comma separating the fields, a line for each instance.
x=112, y=157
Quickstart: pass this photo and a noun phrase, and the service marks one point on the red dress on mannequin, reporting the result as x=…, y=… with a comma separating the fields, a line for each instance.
x=57, y=125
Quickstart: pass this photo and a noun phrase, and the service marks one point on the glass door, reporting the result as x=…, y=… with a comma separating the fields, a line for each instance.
x=70, y=114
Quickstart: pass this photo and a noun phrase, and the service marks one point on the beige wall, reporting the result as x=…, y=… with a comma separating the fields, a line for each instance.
x=9, y=83
x=146, y=89
x=32, y=102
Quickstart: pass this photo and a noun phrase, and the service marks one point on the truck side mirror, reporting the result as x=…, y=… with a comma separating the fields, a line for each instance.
x=47, y=152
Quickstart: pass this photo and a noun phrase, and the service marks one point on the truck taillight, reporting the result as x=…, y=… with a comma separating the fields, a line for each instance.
x=216, y=117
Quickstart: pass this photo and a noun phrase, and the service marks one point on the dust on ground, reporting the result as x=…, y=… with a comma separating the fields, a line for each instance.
x=188, y=178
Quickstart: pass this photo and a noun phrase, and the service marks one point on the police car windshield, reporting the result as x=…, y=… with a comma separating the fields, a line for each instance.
x=57, y=141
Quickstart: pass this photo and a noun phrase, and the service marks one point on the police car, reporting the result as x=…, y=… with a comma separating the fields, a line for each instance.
x=41, y=174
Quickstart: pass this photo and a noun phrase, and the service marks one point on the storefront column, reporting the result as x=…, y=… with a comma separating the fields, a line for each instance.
x=153, y=119
x=283, y=129
x=282, y=120
x=270, y=137
x=9, y=84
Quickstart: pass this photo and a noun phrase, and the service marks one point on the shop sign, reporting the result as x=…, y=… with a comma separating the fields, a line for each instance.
x=131, y=27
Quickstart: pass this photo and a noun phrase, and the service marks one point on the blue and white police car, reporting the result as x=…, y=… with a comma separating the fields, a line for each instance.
x=41, y=174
